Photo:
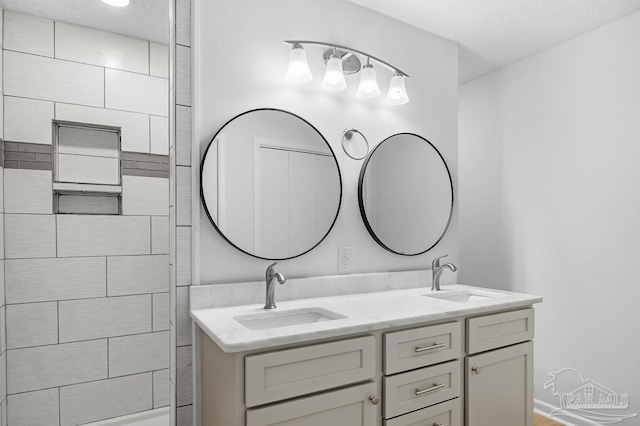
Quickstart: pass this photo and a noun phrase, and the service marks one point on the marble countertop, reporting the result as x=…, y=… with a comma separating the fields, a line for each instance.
x=362, y=313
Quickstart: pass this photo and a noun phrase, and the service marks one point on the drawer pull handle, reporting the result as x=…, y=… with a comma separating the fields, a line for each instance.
x=374, y=399
x=430, y=348
x=433, y=388
x=438, y=424
x=476, y=370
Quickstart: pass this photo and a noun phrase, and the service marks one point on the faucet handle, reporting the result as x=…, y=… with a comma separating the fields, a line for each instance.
x=436, y=262
x=270, y=270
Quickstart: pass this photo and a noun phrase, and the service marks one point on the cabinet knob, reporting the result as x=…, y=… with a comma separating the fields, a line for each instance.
x=476, y=370
x=374, y=399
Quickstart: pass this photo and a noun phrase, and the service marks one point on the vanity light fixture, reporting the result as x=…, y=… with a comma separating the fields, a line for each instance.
x=298, y=71
x=343, y=60
x=368, y=88
x=117, y=3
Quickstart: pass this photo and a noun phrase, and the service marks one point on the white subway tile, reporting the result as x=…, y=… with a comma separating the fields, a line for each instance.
x=37, y=280
x=32, y=324
x=49, y=79
x=28, y=33
x=3, y=375
x=183, y=75
x=108, y=317
x=183, y=135
x=89, y=46
x=1, y=103
x=159, y=60
x=159, y=135
x=160, y=388
x=103, y=235
x=56, y=365
x=28, y=191
x=2, y=286
x=184, y=415
x=138, y=354
x=183, y=255
x=29, y=236
x=87, y=169
x=183, y=196
x=134, y=126
x=34, y=408
x=89, y=402
x=184, y=383
x=183, y=22
x=145, y=196
x=1, y=184
x=160, y=235
x=183, y=328
x=138, y=93
x=3, y=329
x=88, y=141
x=137, y=275
x=28, y=120
x=160, y=311
x=2, y=236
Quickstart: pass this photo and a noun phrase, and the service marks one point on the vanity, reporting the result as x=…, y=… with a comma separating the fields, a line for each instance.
x=461, y=356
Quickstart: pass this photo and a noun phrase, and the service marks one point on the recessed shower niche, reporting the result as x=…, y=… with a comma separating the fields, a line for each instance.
x=270, y=184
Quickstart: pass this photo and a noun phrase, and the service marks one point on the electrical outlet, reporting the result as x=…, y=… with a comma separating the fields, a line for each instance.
x=345, y=258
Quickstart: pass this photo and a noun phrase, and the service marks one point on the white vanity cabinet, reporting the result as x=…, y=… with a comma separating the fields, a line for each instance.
x=499, y=369
x=465, y=370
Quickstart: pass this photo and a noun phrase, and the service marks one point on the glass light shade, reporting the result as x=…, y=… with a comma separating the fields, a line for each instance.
x=397, y=94
x=298, y=71
x=334, y=77
x=368, y=87
x=117, y=3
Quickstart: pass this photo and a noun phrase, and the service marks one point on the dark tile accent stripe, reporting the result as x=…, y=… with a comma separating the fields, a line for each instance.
x=1, y=153
x=22, y=155
x=149, y=165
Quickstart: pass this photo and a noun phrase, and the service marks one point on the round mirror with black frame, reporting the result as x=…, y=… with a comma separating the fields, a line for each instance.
x=270, y=184
x=405, y=193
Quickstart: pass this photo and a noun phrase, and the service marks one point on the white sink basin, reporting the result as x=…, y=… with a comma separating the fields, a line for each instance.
x=466, y=295
x=288, y=318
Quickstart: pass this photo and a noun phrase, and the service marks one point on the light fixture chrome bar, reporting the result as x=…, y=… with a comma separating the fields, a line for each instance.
x=349, y=49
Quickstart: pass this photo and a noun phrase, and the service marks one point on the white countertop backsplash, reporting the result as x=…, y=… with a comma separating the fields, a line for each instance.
x=368, y=301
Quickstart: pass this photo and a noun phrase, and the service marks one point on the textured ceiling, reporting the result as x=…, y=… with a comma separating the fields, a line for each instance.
x=496, y=33
x=144, y=19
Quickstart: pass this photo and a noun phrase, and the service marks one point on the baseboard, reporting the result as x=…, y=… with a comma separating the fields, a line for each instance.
x=132, y=418
x=544, y=409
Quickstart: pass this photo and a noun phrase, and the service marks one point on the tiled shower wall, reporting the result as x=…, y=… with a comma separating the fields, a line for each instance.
x=180, y=208
x=3, y=339
x=87, y=296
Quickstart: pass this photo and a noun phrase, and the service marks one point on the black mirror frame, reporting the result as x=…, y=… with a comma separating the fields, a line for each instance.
x=204, y=204
x=363, y=213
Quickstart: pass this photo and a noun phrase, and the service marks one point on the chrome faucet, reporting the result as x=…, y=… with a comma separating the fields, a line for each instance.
x=436, y=270
x=270, y=276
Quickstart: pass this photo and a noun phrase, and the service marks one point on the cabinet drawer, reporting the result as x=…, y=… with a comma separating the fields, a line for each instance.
x=495, y=331
x=350, y=406
x=420, y=347
x=289, y=373
x=444, y=414
x=421, y=388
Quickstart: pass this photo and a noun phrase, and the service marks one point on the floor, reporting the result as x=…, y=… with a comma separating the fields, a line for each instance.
x=539, y=420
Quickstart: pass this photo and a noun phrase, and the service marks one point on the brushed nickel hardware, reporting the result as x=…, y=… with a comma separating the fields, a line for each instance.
x=374, y=399
x=433, y=388
x=436, y=271
x=438, y=424
x=430, y=348
x=270, y=276
x=476, y=370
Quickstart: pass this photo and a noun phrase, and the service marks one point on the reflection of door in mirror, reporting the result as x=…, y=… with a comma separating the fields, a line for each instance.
x=289, y=181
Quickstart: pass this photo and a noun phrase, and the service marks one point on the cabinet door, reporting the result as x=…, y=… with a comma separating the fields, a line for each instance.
x=499, y=387
x=350, y=406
